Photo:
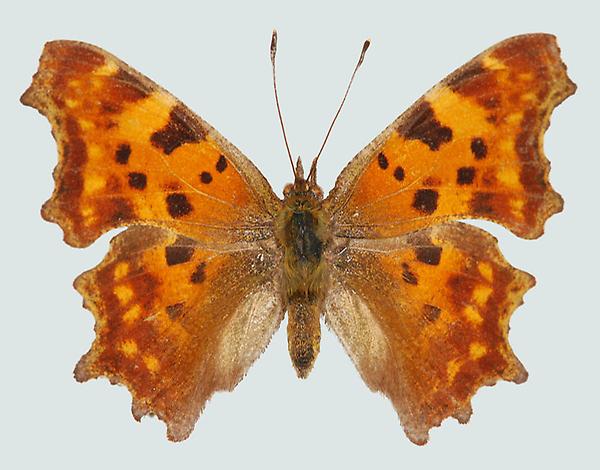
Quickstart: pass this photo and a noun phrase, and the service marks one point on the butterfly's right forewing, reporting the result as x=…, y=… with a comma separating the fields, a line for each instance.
x=130, y=153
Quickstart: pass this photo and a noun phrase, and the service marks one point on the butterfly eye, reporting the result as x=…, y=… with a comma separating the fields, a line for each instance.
x=288, y=189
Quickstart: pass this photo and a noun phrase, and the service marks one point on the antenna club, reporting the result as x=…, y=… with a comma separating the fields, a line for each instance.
x=363, y=52
x=273, y=45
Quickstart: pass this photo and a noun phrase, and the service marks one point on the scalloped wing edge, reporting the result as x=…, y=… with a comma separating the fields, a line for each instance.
x=37, y=96
x=553, y=201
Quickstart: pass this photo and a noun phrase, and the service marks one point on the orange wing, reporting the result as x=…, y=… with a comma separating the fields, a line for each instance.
x=176, y=322
x=424, y=318
x=130, y=153
x=421, y=304
x=470, y=148
x=185, y=301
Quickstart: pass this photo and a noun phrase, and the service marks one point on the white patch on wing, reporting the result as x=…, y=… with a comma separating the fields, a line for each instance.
x=248, y=333
x=352, y=321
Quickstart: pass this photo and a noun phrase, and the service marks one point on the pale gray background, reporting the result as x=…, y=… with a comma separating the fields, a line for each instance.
x=214, y=56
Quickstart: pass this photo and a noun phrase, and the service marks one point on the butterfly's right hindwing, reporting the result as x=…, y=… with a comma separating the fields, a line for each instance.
x=176, y=322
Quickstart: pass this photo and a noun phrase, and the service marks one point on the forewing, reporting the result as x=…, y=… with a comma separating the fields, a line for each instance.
x=424, y=318
x=176, y=322
x=470, y=148
x=131, y=153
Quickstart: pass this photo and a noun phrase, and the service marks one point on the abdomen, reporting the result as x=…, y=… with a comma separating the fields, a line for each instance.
x=304, y=239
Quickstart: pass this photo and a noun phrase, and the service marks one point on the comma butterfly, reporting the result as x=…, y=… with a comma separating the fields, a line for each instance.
x=190, y=294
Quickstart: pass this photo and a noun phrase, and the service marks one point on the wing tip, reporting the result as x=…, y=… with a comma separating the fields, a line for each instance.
x=33, y=96
x=179, y=425
x=553, y=204
x=72, y=237
x=418, y=435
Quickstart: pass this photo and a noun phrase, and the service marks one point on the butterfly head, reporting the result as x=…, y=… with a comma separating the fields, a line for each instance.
x=303, y=188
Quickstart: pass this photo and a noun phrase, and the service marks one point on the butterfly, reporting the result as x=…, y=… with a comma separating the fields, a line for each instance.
x=190, y=294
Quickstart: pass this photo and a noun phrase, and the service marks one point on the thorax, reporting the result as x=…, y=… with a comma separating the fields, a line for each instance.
x=302, y=231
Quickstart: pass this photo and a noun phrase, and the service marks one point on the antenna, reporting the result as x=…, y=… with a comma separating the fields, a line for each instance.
x=313, y=167
x=273, y=52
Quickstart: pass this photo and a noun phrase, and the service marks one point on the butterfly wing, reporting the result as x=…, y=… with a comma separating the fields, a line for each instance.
x=424, y=318
x=422, y=304
x=176, y=322
x=131, y=153
x=470, y=148
x=188, y=297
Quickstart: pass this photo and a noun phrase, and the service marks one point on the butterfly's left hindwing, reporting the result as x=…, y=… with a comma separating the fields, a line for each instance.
x=176, y=322
x=424, y=318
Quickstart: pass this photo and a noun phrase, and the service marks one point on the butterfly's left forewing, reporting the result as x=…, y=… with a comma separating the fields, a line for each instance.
x=470, y=148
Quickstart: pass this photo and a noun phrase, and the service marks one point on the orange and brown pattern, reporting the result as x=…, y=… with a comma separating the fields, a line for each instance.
x=425, y=319
x=470, y=148
x=187, y=299
x=130, y=153
x=431, y=299
x=176, y=322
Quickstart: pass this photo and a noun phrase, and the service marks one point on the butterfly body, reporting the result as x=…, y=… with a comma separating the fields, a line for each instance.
x=304, y=235
x=190, y=294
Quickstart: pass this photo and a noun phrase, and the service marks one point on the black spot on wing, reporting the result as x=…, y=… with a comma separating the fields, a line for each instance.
x=221, y=165
x=178, y=205
x=382, y=161
x=422, y=125
x=399, y=173
x=174, y=311
x=122, y=154
x=408, y=276
x=478, y=148
x=181, y=129
x=431, y=312
x=178, y=254
x=465, y=175
x=137, y=180
x=429, y=254
x=206, y=177
x=199, y=275
x=425, y=200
